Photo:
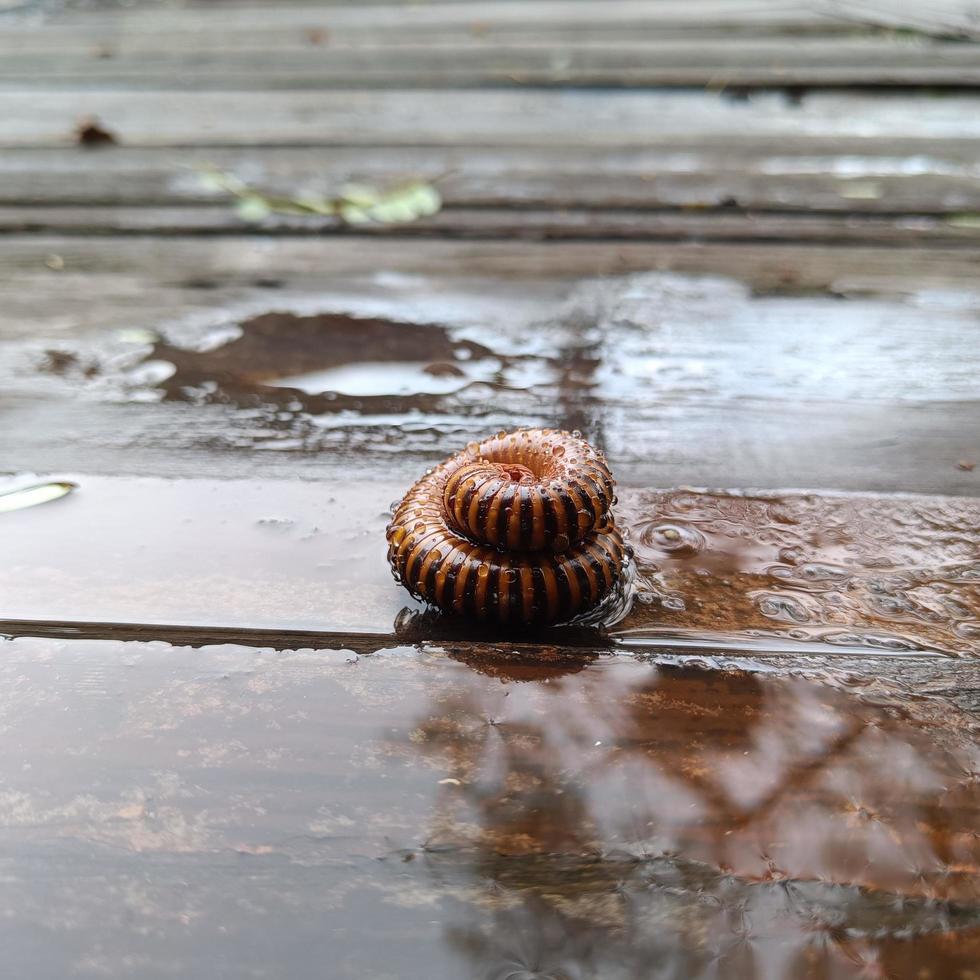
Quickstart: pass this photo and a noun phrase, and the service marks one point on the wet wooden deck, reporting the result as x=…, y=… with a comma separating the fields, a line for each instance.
x=736, y=243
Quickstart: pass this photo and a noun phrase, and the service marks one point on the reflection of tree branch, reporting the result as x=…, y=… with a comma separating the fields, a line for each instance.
x=800, y=775
x=523, y=834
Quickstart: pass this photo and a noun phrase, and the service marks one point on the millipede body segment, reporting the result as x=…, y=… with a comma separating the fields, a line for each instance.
x=515, y=529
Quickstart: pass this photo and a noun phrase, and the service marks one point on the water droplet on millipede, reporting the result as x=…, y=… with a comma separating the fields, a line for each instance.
x=509, y=575
x=483, y=571
x=558, y=450
x=576, y=434
x=419, y=526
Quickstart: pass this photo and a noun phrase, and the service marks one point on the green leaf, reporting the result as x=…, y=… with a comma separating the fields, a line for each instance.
x=253, y=208
x=359, y=195
x=316, y=205
x=357, y=204
x=354, y=215
x=218, y=181
x=409, y=202
x=964, y=220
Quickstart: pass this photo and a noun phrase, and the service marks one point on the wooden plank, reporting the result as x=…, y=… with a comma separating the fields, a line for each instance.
x=478, y=118
x=274, y=554
x=160, y=274
x=228, y=811
x=240, y=23
x=893, y=446
x=894, y=409
x=884, y=176
x=526, y=224
x=529, y=224
x=166, y=64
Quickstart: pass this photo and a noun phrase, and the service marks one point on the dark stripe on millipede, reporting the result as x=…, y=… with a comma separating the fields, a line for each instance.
x=578, y=484
x=469, y=593
x=565, y=606
x=430, y=577
x=527, y=508
x=539, y=600
x=492, y=594
x=499, y=534
x=571, y=515
x=463, y=507
x=420, y=547
x=515, y=590
x=483, y=508
x=601, y=563
x=585, y=587
x=452, y=573
x=597, y=492
x=551, y=512
x=415, y=561
x=591, y=560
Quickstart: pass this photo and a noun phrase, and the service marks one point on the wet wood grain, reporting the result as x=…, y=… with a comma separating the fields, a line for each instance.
x=623, y=43
x=533, y=224
x=492, y=118
x=621, y=62
x=900, y=414
x=776, y=571
x=888, y=174
x=198, y=22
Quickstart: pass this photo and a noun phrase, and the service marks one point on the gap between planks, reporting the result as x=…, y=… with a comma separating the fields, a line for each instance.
x=546, y=645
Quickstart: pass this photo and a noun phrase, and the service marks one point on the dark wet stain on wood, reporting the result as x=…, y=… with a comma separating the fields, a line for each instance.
x=90, y=132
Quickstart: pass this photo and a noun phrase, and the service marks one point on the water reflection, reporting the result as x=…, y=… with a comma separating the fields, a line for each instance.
x=618, y=822
x=887, y=573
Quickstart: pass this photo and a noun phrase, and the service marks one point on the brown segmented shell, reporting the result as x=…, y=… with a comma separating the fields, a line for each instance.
x=516, y=529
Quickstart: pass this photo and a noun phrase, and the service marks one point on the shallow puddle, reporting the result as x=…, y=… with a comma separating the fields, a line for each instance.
x=404, y=815
x=284, y=358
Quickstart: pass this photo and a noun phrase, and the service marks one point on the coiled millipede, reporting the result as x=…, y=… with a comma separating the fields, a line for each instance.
x=515, y=529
